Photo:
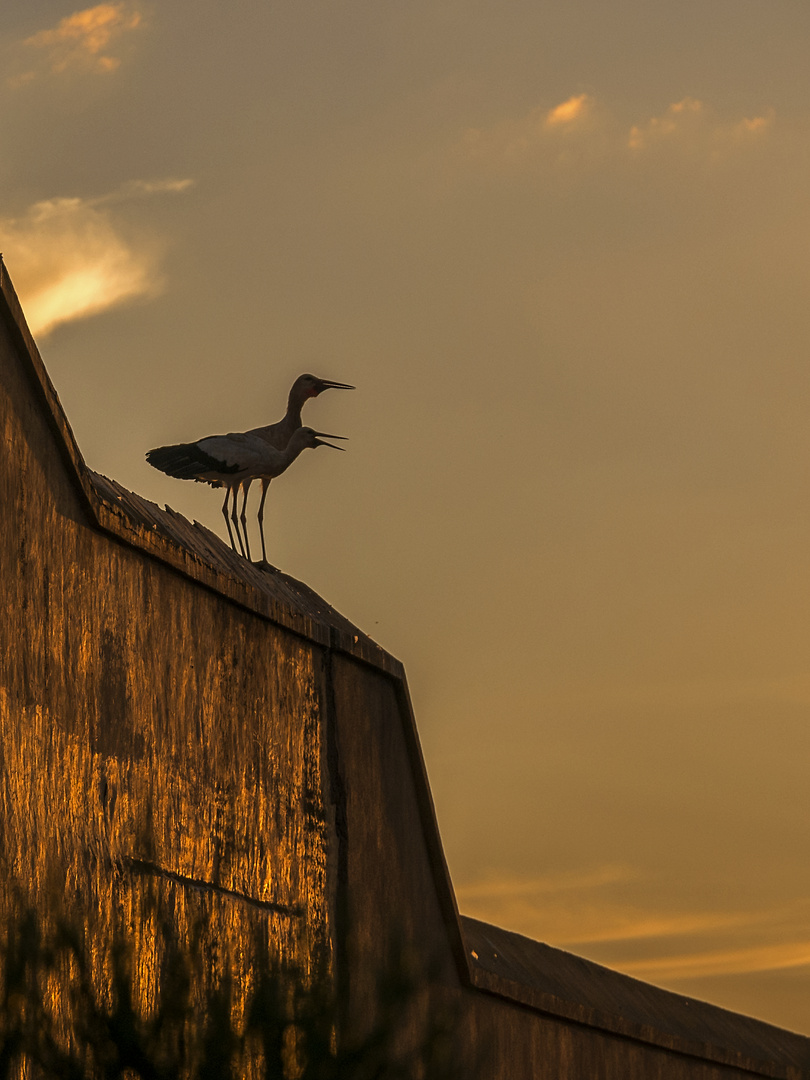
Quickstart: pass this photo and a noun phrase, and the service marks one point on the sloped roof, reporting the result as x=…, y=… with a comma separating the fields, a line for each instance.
x=203, y=555
x=557, y=982
x=496, y=961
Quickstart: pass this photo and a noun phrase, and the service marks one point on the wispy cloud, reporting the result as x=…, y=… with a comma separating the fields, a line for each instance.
x=170, y=185
x=70, y=258
x=492, y=887
x=632, y=924
x=675, y=119
x=582, y=908
x=84, y=40
x=690, y=123
x=581, y=132
x=590, y=912
x=517, y=140
x=741, y=961
x=69, y=261
x=570, y=111
x=142, y=189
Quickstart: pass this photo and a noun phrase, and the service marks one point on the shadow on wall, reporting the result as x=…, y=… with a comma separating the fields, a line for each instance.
x=72, y=1010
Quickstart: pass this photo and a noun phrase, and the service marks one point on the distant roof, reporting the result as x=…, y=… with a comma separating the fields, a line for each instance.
x=561, y=984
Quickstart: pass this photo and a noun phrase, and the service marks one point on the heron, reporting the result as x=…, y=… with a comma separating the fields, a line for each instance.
x=231, y=460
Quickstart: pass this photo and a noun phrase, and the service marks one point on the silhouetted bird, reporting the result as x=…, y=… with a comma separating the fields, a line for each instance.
x=230, y=460
x=275, y=435
x=280, y=433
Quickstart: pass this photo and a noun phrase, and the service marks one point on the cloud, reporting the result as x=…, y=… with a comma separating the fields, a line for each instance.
x=632, y=925
x=82, y=40
x=674, y=119
x=157, y=187
x=513, y=141
x=587, y=912
x=140, y=189
x=70, y=259
x=755, y=125
x=581, y=134
x=691, y=124
x=743, y=961
x=494, y=887
x=577, y=909
x=568, y=112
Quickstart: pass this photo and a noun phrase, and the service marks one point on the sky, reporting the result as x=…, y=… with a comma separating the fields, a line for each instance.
x=561, y=249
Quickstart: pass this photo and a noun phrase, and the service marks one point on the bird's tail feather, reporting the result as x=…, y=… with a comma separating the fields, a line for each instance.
x=186, y=461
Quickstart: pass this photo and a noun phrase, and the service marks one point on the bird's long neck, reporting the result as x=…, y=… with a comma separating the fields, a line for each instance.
x=291, y=421
x=287, y=427
x=280, y=433
x=292, y=417
x=290, y=453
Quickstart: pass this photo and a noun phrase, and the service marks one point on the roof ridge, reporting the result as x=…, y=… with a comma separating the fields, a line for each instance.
x=553, y=980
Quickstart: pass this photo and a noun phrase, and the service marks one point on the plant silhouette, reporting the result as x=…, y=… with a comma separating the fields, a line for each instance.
x=56, y=1022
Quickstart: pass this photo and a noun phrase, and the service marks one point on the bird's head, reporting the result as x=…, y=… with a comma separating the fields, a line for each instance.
x=305, y=437
x=309, y=386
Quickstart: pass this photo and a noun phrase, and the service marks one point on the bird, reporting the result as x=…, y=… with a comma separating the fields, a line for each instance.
x=230, y=460
x=279, y=434
x=275, y=435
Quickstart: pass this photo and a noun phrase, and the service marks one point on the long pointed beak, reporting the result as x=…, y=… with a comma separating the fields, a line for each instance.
x=327, y=384
x=324, y=435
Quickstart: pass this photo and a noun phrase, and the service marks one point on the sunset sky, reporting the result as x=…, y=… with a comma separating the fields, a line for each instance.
x=561, y=248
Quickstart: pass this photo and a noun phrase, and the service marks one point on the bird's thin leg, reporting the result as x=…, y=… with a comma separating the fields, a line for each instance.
x=235, y=519
x=243, y=515
x=225, y=515
x=265, y=486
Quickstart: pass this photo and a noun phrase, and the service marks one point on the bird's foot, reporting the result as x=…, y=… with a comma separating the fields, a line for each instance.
x=263, y=564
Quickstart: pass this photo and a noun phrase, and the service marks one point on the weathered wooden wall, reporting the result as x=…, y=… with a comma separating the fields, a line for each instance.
x=152, y=733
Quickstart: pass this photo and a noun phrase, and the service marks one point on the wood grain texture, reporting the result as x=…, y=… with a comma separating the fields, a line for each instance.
x=157, y=740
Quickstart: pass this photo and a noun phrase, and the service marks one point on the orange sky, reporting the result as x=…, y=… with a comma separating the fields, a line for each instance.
x=561, y=250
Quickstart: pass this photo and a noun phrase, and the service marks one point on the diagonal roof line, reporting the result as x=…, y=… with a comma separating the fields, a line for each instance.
x=559, y=983
x=12, y=313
